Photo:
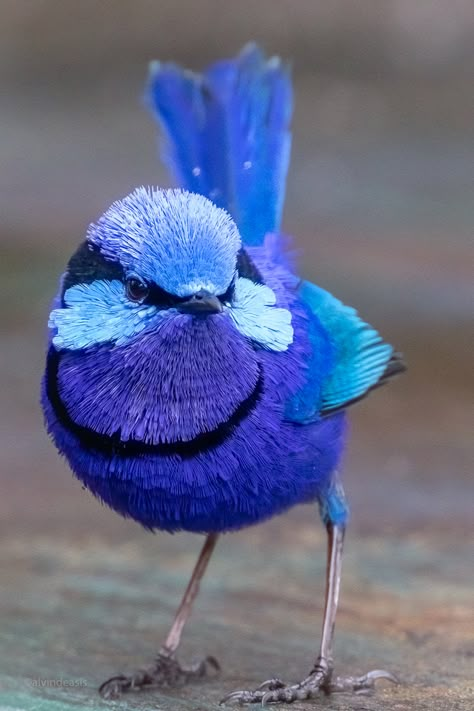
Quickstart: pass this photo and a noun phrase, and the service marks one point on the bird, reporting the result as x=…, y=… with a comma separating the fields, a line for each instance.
x=194, y=381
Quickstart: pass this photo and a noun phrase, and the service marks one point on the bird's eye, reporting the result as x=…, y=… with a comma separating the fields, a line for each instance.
x=136, y=290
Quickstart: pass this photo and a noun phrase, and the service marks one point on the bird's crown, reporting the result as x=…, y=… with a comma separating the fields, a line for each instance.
x=174, y=238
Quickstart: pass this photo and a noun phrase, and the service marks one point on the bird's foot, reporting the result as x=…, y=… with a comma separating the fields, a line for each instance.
x=274, y=691
x=165, y=672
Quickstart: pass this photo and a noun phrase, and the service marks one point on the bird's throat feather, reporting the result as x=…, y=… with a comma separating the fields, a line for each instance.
x=171, y=386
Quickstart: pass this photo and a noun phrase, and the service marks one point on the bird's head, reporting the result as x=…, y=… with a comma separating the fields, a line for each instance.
x=160, y=316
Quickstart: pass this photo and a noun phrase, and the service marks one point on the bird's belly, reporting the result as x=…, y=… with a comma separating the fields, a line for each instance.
x=265, y=467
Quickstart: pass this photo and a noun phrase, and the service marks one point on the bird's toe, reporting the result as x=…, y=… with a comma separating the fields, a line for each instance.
x=165, y=672
x=274, y=691
x=360, y=684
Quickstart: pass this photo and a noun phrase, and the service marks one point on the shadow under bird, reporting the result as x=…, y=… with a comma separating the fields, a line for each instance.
x=193, y=381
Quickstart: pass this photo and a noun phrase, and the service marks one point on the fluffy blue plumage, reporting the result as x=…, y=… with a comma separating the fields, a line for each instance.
x=192, y=378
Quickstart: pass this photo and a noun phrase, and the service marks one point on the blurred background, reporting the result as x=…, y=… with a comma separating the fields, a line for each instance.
x=380, y=198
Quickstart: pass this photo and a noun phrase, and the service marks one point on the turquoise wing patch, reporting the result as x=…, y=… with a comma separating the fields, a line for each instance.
x=362, y=360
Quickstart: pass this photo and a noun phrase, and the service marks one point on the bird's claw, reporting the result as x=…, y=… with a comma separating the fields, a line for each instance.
x=165, y=672
x=361, y=684
x=275, y=691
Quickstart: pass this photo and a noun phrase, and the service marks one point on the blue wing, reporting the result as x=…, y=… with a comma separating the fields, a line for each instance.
x=227, y=134
x=356, y=361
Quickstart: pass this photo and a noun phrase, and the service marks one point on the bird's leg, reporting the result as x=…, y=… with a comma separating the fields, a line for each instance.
x=320, y=679
x=166, y=670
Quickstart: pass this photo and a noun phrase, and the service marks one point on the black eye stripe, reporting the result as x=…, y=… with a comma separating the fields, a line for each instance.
x=164, y=300
x=161, y=298
x=247, y=269
x=87, y=264
x=228, y=295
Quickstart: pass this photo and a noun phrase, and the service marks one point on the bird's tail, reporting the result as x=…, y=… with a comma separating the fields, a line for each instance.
x=227, y=134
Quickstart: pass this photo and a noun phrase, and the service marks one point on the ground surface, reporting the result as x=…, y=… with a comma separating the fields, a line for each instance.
x=82, y=604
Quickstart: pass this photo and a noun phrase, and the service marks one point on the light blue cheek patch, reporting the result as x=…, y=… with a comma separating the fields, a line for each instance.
x=97, y=313
x=255, y=315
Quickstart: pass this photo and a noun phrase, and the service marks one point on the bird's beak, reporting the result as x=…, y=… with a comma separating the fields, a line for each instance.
x=201, y=303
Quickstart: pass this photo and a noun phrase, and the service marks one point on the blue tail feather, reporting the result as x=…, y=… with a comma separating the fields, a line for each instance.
x=227, y=134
